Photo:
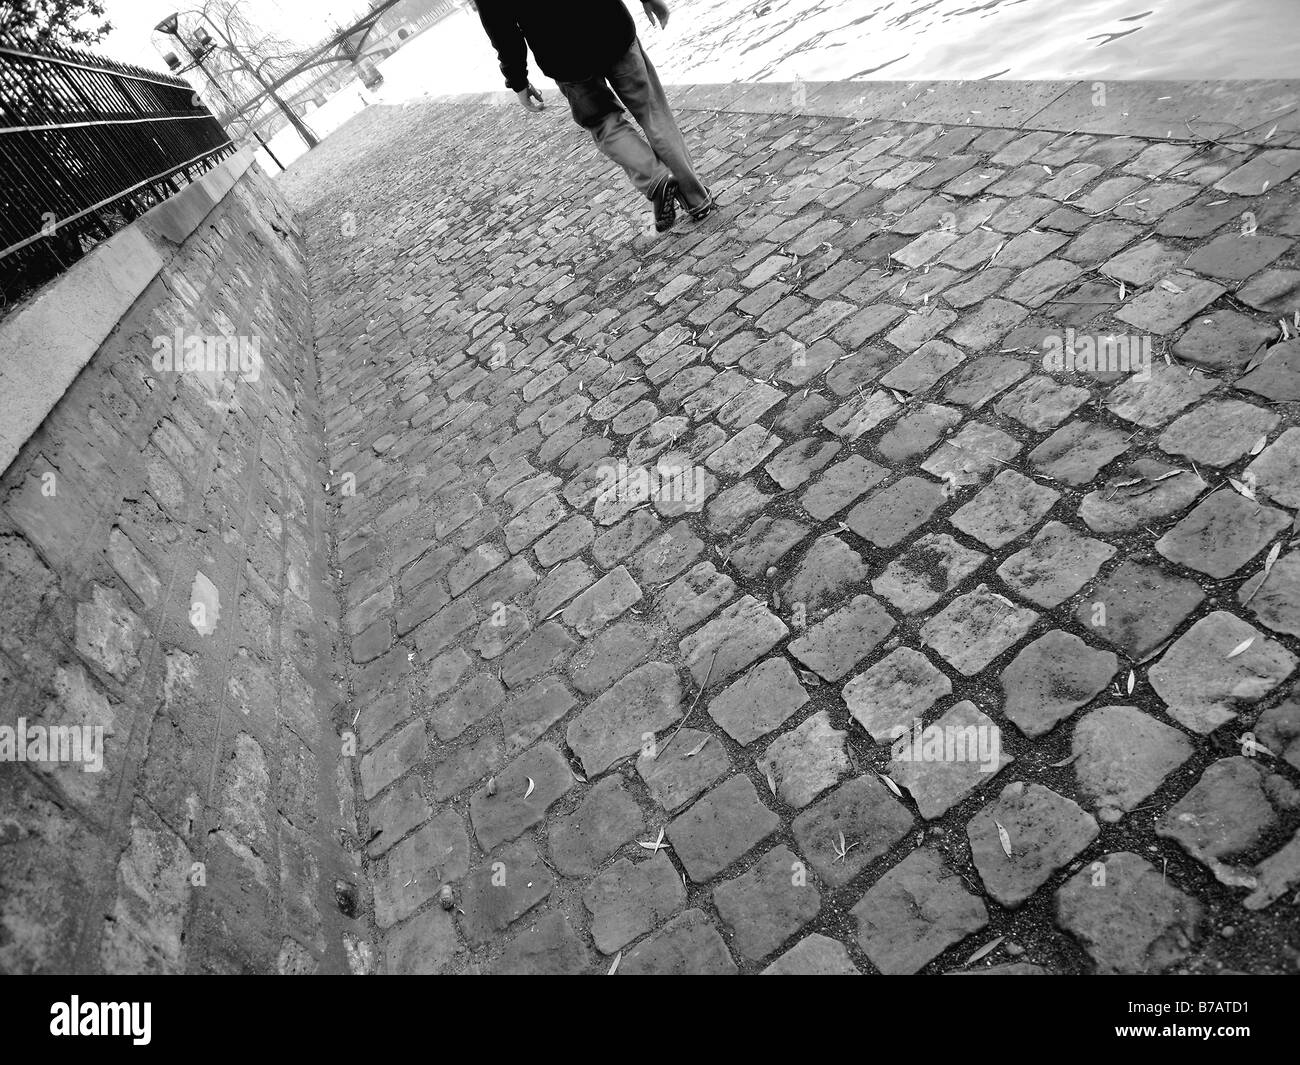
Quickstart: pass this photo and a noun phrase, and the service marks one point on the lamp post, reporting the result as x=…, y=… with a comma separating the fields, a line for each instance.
x=173, y=21
x=169, y=27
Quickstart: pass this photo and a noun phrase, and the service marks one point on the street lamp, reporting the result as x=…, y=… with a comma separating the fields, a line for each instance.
x=170, y=27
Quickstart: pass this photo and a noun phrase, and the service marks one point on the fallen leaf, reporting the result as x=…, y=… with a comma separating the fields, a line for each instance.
x=531, y=786
x=985, y=950
x=657, y=846
x=1132, y=679
x=614, y=968
x=1241, y=648
x=891, y=785
x=696, y=749
x=1272, y=557
x=1004, y=837
x=1262, y=443
x=1065, y=761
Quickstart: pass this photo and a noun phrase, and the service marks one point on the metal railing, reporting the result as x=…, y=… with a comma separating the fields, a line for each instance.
x=86, y=146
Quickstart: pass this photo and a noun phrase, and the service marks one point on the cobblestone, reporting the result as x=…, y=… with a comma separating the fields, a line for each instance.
x=903, y=528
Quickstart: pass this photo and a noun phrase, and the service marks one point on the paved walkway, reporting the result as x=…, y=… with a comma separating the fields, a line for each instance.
x=649, y=549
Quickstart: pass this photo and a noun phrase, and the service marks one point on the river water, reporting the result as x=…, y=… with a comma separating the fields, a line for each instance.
x=829, y=40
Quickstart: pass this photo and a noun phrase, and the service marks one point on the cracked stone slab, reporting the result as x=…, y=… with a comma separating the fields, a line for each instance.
x=1009, y=507
x=630, y=899
x=1276, y=473
x=1137, y=607
x=805, y=761
x=1225, y=814
x=1122, y=755
x=739, y=636
x=1051, y=678
x=1274, y=598
x=933, y=566
x=768, y=903
x=814, y=955
x=1044, y=832
x=1218, y=433
x=1140, y=495
x=1055, y=565
x=720, y=827
x=894, y=692
x=1222, y=534
x=1205, y=684
x=621, y=721
x=500, y=891
x=946, y=760
x=914, y=913
x=525, y=789
x=971, y=454
x=678, y=770
x=975, y=628
x=606, y=819
x=1127, y=916
x=834, y=646
x=759, y=702
x=688, y=945
x=868, y=817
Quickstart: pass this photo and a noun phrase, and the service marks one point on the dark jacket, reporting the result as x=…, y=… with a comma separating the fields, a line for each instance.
x=572, y=40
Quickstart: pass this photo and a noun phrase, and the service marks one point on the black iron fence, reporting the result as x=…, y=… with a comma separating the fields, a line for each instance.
x=86, y=146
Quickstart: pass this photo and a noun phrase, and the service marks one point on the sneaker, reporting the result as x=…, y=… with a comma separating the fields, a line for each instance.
x=665, y=200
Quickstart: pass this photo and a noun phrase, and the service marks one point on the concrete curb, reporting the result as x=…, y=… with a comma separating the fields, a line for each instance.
x=1237, y=111
x=45, y=344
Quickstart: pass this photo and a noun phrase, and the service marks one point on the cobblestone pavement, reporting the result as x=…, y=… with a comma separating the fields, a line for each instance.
x=658, y=735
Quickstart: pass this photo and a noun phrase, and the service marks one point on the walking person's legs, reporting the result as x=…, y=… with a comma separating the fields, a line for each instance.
x=634, y=80
x=597, y=110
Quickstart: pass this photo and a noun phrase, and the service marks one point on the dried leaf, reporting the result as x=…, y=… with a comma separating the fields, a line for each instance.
x=656, y=846
x=1004, y=838
x=1132, y=680
x=1259, y=446
x=891, y=785
x=614, y=968
x=1272, y=557
x=531, y=786
x=767, y=771
x=1065, y=761
x=810, y=679
x=697, y=748
x=1169, y=286
x=985, y=950
x=1244, y=489
x=1241, y=648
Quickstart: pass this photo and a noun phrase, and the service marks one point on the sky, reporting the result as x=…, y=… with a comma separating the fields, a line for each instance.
x=132, y=38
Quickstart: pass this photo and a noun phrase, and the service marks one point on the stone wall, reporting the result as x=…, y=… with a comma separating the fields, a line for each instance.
x=164, y=574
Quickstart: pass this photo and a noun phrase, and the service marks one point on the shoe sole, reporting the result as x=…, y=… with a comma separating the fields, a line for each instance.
x=670, y=187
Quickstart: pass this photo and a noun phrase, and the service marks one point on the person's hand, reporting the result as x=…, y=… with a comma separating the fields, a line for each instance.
x=530, y=99
x=657, y=12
